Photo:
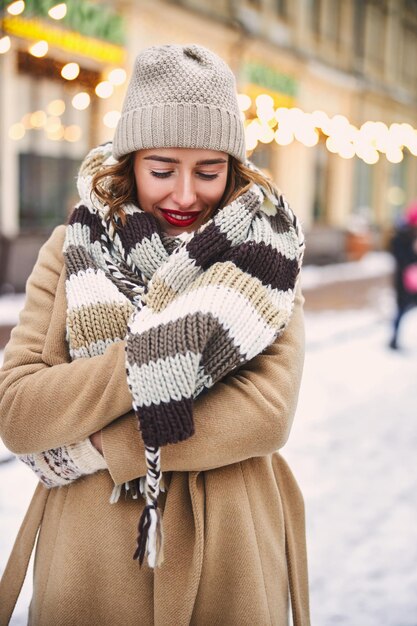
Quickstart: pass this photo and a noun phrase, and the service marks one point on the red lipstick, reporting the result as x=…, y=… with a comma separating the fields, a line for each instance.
x=181, y=219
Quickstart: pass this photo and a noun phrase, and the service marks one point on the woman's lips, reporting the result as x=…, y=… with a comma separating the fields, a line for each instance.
x=181, y=219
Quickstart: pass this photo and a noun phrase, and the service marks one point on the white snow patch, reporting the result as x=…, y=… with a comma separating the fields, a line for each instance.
x=371, y=265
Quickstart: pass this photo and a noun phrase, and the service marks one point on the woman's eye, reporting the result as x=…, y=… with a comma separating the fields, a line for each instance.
x=161, y=174
x=207, y=176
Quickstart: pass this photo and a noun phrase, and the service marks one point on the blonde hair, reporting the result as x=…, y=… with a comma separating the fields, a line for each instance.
x=115, y=185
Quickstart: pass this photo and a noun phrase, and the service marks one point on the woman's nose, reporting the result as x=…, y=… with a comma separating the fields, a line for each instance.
x=184, y=194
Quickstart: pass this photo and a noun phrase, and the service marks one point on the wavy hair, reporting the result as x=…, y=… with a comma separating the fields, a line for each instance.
x=115, y=185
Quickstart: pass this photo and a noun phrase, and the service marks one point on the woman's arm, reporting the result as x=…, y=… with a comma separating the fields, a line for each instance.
x=248, y=414
x=61, y=466
x=46, y=403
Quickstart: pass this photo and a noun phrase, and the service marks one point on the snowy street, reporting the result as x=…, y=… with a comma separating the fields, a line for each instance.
x=352, y=450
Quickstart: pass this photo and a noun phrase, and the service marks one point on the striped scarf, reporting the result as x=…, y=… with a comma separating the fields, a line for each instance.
x=191, y=309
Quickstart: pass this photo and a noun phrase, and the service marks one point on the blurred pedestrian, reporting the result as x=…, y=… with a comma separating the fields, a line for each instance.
x=168, y=304
x=404, y=249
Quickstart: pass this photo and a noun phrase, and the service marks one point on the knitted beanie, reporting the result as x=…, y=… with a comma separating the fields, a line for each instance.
x=180, y=97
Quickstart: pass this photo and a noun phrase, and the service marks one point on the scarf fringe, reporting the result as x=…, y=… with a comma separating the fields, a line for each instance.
x=150, y=537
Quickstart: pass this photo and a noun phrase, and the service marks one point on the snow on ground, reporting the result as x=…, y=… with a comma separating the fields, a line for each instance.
x=10, y=305
x=352, y=450
x=371, y=265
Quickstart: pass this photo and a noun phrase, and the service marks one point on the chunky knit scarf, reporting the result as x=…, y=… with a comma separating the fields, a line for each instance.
x=192, y=309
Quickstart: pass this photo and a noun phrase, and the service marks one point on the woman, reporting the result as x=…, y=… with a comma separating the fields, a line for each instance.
x=172, y=292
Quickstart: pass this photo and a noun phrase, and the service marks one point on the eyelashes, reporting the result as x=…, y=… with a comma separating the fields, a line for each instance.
x=199, y=174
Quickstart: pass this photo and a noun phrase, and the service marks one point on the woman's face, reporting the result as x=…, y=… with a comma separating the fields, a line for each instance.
x=181, y=187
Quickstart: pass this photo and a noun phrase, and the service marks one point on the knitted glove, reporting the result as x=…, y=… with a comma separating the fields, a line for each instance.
x=61, y=466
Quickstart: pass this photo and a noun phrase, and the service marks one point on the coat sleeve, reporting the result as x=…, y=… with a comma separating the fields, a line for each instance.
x=46, y=403
x=248, y=414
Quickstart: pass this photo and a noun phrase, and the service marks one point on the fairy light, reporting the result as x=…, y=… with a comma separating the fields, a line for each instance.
x=72, y=133
x=16, y=8
x=81, y=101
x=367, y=142
x=111, y=118
x=38, y=119
x=117, y=76
x=244, y=102
x=17, y=131
x=56, y=134
x=5, y=44
x=58, y=12
x=56, y=107
x=39, y=49
x=104, y=89
x=53, y=124
x=70, y=71
x=284, y=136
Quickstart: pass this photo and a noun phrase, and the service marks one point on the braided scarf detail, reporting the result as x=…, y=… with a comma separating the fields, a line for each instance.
x=192, y=309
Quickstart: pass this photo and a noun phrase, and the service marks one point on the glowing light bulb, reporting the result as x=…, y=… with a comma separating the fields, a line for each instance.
x=70, y=71
x=56, y=107
x=111, y=118
x=395, y=155
x=17, y=131
x=72, y=133
x=53, y=124
x=104, y=89
x=284, y=136
x=5, y=44
x=38, y=119
x=58, y=12
x=39, y=49
x=81, y=101
x=16, y=8
x=244, y=101
x=117, y=76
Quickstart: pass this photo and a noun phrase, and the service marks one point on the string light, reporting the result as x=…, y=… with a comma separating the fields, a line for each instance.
x=58, y=12
x=341, y=137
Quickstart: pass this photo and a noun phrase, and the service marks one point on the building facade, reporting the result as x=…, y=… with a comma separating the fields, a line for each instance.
x=328, y=92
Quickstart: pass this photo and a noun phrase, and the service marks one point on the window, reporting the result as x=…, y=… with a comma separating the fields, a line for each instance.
x=363, y=192
x=315, y=9
x=282, y=8
x=376, y=23
x=396, y=192
x=321, y=180
x=47, y=190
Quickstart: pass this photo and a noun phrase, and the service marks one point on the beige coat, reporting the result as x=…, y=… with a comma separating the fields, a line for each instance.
x=233, y=514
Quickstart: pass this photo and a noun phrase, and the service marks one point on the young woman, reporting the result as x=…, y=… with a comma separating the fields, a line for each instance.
x=155, y=371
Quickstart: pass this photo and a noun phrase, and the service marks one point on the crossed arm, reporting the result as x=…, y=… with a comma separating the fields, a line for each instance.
x=48, y=402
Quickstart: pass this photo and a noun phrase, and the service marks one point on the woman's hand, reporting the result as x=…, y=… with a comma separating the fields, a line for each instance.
x=96, y=440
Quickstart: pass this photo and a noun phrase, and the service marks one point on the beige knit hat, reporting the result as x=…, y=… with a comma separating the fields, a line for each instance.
x=180, y=97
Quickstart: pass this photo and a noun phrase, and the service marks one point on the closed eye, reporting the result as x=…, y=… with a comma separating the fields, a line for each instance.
x=207, y=176
x=161, y=174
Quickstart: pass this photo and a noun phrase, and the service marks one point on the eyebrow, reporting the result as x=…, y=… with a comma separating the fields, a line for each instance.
x=155, y=157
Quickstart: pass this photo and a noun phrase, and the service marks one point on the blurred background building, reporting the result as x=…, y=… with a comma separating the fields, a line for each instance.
x=328, y=89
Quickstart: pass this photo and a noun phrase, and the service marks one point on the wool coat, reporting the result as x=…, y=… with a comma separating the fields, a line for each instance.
x=233, y=514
